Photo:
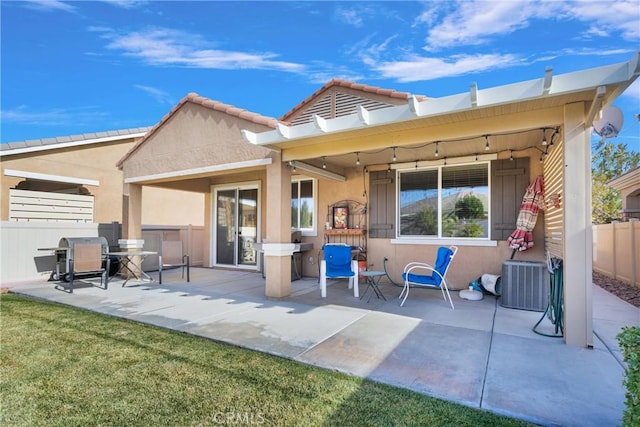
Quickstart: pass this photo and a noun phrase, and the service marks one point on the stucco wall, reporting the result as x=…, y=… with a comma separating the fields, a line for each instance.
x=470, y=262
x=94, y=162
x=172, y=207
x=97, y=162
x=194, y=137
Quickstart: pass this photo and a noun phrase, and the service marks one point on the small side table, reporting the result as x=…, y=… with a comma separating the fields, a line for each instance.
x=132, y=262
x=373, y=278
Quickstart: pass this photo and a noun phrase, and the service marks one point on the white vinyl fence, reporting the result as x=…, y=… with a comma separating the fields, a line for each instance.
x=50, y=207
x=616, y=250
x=20, y=259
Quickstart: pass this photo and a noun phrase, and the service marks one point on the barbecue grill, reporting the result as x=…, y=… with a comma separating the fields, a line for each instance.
x=64, y=253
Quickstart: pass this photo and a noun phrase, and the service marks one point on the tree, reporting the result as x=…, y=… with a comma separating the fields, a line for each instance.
x=609, y=161
x=469, y=207
x=306, y=216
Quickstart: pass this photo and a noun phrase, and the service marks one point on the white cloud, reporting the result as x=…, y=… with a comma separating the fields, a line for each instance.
x=349, y=16
x=321, y=72
x=608, y=18
x=468, y=23
x=551, y=56
x=355, y=15
x=418, y=68
x=126, y=4
x=369, y=53
x=159, y=95
x=53, y=117
x=474, y=22
x=99, y=29
x=431, y=13
x=167, y=47
x=593, y=52
x=49, y=5
x=452, y=25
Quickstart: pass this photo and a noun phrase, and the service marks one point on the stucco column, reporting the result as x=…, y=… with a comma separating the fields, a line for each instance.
x=278, y=247
x=132, y=215
x=208, y=244
x=578, y=251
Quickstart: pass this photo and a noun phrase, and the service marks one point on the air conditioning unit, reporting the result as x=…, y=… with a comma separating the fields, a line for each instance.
x=525, y=285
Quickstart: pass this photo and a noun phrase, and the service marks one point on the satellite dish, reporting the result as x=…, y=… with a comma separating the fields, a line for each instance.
x=610, y=122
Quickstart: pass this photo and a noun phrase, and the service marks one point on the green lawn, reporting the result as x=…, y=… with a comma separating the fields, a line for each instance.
x=64, y=366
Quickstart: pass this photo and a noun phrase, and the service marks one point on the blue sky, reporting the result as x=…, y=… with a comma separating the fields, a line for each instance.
x=71, y=67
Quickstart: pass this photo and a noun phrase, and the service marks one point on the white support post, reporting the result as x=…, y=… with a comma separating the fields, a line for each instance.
x=578, y=251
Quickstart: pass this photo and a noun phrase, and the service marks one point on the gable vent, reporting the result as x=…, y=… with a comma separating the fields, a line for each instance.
x=348, y=104
x=321, y=108
x=337, y=105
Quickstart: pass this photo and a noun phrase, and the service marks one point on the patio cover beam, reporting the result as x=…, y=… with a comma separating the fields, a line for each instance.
x=596, y=105
x=370, y=139
x=319, y=171
x=618, y=75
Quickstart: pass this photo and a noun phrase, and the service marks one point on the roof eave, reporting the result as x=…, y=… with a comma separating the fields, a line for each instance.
x=625, y=180
x=617, y=76
x=75, y=143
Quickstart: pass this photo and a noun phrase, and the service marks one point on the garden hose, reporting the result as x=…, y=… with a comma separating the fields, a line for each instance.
x=384, y=265
x=555, y=306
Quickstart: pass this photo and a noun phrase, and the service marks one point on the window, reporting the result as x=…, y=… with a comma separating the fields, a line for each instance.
x=444, y=202
x=303, y=204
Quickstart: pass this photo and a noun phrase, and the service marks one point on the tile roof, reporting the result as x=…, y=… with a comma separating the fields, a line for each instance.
x=50, y=143
x=207, y=103
x=391, y=93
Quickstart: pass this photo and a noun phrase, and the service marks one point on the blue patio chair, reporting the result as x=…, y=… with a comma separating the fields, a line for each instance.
x=417, y=274
x=338, y=264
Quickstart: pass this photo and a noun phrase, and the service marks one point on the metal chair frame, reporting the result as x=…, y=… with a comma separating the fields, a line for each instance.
x=429, y=272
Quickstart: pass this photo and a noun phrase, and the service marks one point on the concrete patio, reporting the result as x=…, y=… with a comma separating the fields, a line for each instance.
x=480, y=354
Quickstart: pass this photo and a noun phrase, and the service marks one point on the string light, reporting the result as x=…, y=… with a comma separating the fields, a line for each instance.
x=544, y=136
x=549, y=143
x=388, y=168
x=445, y=161
x=294, y=165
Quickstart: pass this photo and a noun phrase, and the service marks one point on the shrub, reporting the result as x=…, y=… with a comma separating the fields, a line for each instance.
x=629, y=340
x=427, y=220
x=469, y=207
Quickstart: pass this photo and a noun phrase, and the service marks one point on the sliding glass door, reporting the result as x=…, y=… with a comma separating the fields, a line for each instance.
x=236, y=226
